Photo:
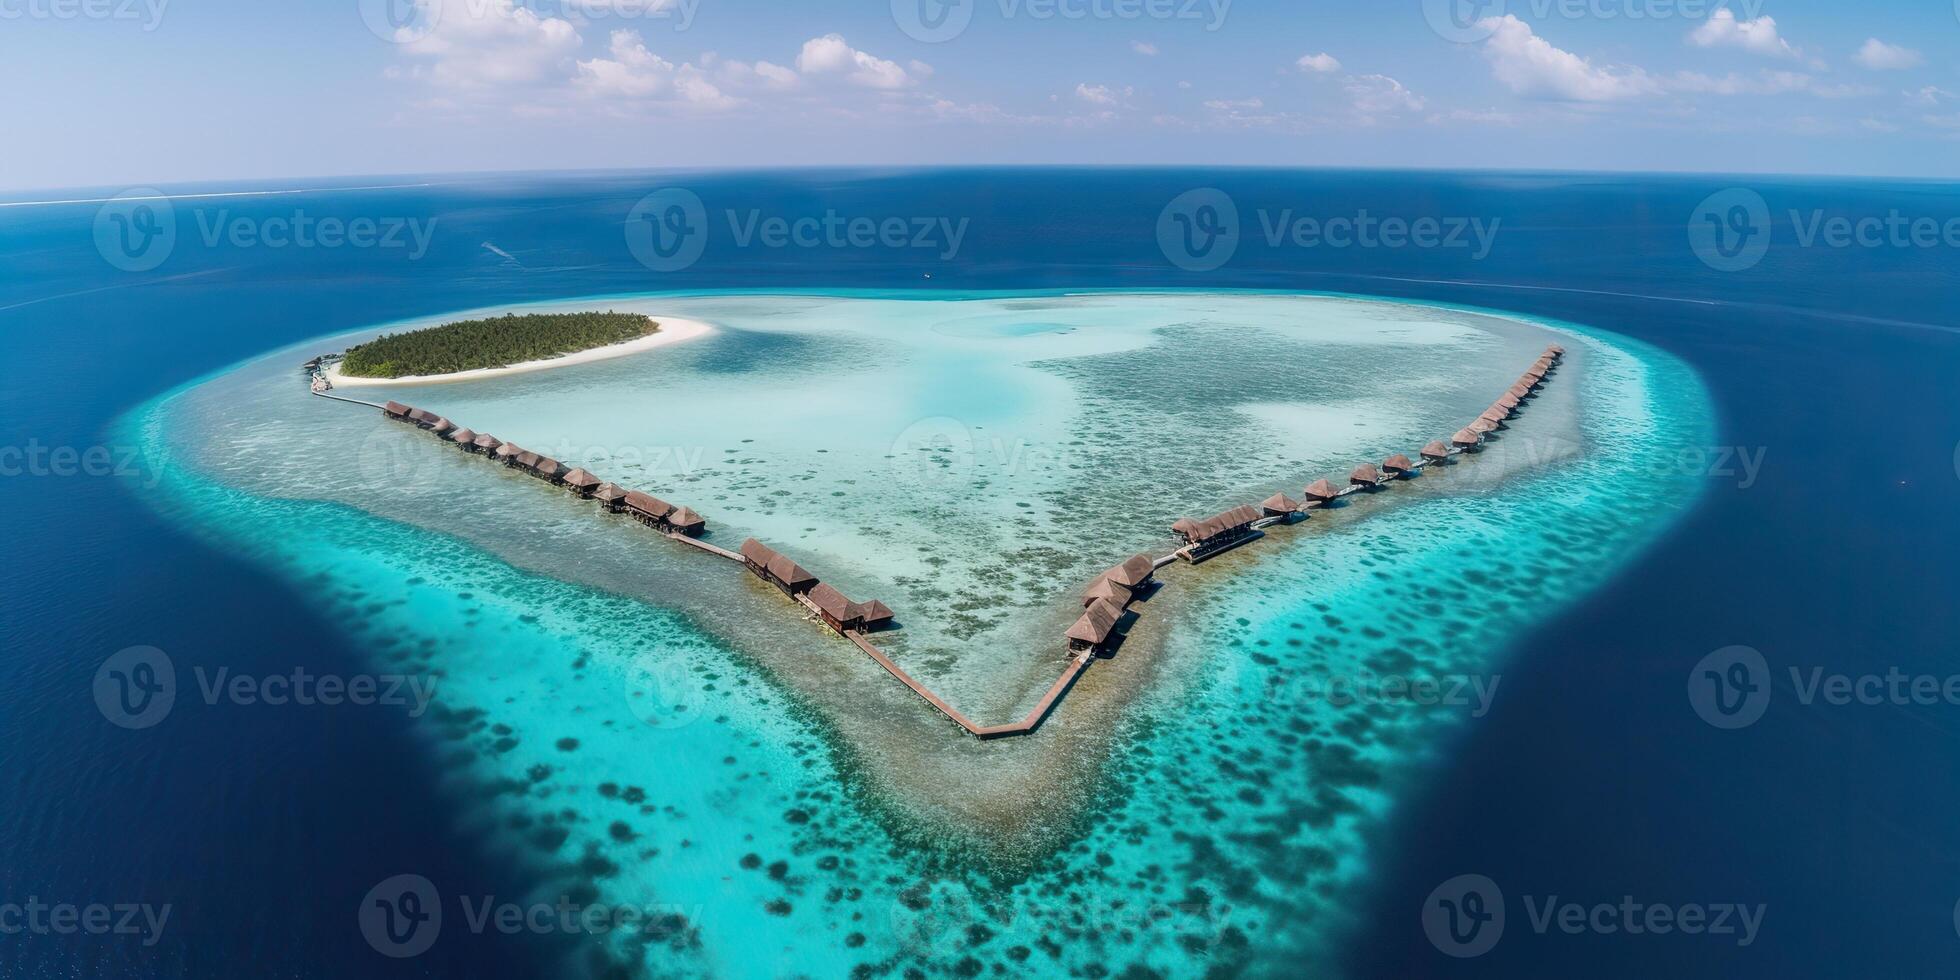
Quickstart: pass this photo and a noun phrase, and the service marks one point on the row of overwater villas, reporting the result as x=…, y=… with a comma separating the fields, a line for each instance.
x=837, y=610
x=643, y=507
x=1209, y=536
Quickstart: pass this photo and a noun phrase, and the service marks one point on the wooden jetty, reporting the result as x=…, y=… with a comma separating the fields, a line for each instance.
x=1106, y=601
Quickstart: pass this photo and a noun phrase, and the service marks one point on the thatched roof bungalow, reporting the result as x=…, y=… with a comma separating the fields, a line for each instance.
x=1093, y=630
x=1437, y=449
x=1466, y=439
x=484, y=443
x=1103, y=588
x=548, y=469
x=1133, y=573
x=582, y=482
x=1398, y=464
x=397, y=411
x=1279, y=505
x=686, y=521
x=1322, y=490
x=612, y=496
x=1365, y=475
x=461, y=437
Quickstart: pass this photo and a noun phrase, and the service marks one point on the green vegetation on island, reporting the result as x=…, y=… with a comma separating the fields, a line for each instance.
x=467, y=345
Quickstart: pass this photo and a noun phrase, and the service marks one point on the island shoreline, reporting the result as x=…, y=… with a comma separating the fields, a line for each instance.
x=672, y=330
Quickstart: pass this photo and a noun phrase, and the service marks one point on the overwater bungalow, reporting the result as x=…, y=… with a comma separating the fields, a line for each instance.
x=397, y=411
x=508, y=454
x=1520, y=391
x=686, y=521
x=1466, y=439
x=1093, y=630
x=1321, y=490
x=524, y=460
x=1494, y=415
x=1279, y=505
x=756, y=557
x=1103, y=588
x=549, y=470
x=646, y=508
x=1398, y=465
x=790, y=577
x=1365, y=475
x=484, y=443
x=1508, y=401
x=873, y=615
x=1555, y=350
x=611, y=496
x=1436, y=450
x=582, y=482
x=835, y=609
x=1219, y=532
x=1134, y=573
x=1483, y=427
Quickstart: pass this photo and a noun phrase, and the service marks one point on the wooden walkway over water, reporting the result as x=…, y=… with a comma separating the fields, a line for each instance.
x=1466, y=440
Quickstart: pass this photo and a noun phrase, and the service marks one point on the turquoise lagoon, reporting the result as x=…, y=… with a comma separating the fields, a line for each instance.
x=640, y=726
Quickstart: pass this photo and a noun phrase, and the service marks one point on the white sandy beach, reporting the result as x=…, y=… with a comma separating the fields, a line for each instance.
x=673, y=330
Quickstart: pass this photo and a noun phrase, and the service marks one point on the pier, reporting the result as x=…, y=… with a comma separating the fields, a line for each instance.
x=1106, y=601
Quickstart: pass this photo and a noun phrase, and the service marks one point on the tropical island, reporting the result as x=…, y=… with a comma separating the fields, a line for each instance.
x=513, y=338
x=515, y=342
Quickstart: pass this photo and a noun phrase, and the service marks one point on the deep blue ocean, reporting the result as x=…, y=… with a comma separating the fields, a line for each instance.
x=1591, y=779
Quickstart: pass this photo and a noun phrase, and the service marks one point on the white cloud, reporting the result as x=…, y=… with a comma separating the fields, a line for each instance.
x=1762, y=83
x=832, y=55
x=1101, y=95
x=1528, y=65
x=633, y=72
x=1722, y=29
x=1143, y=47
x=1879, y=56
x=479, y=44
x=1379, y=95
x=1878, y=125
x=1930, y=95
x=1234, y=105
x=1322, y=62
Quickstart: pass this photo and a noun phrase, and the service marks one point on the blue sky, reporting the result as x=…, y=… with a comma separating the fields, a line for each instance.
x=125, y=92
